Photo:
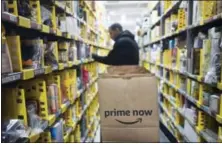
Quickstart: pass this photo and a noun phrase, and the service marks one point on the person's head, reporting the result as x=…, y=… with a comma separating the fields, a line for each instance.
x=114, y=30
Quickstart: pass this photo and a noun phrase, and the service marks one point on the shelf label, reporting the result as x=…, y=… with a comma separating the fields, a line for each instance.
x=39, y=71
x=11, y=78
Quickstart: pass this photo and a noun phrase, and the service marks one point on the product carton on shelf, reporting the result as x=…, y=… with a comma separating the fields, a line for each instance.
x=128, y=105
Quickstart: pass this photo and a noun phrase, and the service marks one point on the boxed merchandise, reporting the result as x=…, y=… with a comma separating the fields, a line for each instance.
x=128, y=105
x=57, y=132
x=6, y=57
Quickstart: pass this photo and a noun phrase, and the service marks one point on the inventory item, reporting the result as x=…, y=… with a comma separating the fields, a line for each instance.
x=5, y=53
x=214, y=104
x=46, y=16
x=57, y=132
x=214, y=71
x=12, y=130
x=52, y=95
x=63, y=57
x=32, y=53
x=183, y=60
x=34, y=120
x=24, y=8
x=50, y=58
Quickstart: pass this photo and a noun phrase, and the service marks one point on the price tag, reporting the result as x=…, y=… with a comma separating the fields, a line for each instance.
x=39, y=71
x=11, y=78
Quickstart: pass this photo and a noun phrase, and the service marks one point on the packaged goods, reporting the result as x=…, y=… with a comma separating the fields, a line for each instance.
x=13, y=130
x=214, y=71
x=52, y=95
x=50, y=58
x=46, y=16
x=57, y=132
x=6, y=57
x=214, y=104
x=32, y=51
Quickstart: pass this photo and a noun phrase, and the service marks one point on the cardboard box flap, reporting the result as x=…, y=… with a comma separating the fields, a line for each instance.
x=125, y=72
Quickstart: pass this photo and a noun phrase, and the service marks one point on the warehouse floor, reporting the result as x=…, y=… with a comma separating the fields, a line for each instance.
x=163, y=138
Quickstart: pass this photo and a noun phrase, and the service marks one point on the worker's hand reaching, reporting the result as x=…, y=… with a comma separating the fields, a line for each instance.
x=94, y=55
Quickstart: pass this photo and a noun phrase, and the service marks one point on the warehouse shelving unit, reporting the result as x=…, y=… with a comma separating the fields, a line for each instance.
x=176, y=90
x=23, y=84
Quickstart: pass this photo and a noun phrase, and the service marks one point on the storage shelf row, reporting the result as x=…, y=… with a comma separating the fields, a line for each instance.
x=26, y=23
x=203, y=133
x=59, y=100
x=183, y=49
x=201, y=25
x=12, y=77
x=187, y=74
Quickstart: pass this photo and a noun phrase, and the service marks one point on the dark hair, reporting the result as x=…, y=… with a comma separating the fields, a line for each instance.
x=116, y=26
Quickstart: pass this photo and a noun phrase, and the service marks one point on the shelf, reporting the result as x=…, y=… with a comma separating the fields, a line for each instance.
x=83, y=140
x=207, y=23
x=11, y=77
x=189, y=75
x=167, y=13
x=194, y=101
x=68, y=132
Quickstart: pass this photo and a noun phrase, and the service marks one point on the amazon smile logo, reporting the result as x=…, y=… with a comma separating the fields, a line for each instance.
x=139, y=120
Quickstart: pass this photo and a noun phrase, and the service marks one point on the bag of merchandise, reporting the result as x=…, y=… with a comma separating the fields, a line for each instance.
x=213, y=73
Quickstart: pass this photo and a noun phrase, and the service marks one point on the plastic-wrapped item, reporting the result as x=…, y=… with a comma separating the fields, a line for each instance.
x=198, y=41
x=213, y=73
x=214, y=103
x=64, y=87
x=52, y=95
x=34, y=120
x=46, y=16
x=206, y=54
x=6, y=57
x=32, y=53
x=85, y=76
x=50, y=58
x=12, y=130
x=183, y=60
x=196, y=12
x=206, y=98
x=74, y=114
x=72, y=52
x=194, y=89
x=4, y=6
x=24, y=8
x=63, y=57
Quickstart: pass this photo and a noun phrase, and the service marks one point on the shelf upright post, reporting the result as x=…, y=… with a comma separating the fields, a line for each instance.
x=14, y=45
x=45, y=137
x=53, y=17
x=36, y=5
x=16, y=101
x=12, y=6
x=189, y=35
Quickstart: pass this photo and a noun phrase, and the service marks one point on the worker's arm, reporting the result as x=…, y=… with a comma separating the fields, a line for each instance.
x=108, y=60
x=115, y=55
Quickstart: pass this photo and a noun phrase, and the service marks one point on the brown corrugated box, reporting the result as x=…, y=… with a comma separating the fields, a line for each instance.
x=128, y=105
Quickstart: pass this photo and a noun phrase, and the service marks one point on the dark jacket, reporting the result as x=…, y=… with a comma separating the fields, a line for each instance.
x=125, y=51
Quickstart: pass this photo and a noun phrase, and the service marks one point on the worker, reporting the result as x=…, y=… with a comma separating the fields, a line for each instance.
x=125, y=50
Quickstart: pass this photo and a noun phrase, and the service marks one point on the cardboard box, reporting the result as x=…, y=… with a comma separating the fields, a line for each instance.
x=128, y=105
